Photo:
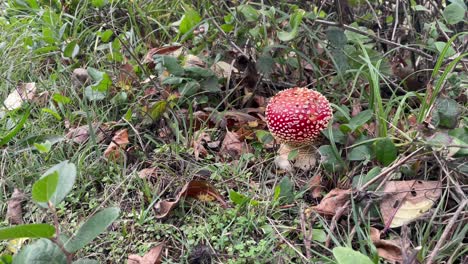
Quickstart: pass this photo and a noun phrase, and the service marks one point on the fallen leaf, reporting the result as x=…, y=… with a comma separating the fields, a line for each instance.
x=126, y=76
x=223, y=69
x=407, y=200
x=232, y=146
x=387, y=249
x=148, y=173
x=199, y=141
x=198, y=189
x=81, y=134
x=119, y=142
x=80, y=77
x=14, y=213
x=174, y=50
x=23, y=93
x=315, y=186
x=193, y=61
x=151, y=257
x=333, y=201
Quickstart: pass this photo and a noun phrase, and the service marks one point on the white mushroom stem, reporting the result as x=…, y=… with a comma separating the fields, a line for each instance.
x=305, y=159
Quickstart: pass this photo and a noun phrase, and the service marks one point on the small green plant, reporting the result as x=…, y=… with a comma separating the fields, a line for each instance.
x=52, y=245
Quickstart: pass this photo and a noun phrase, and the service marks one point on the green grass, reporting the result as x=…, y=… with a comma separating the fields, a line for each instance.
x=355, y=75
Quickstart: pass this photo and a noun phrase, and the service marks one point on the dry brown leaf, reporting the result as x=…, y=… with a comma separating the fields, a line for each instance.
x=200, y=139
x=223, y=69
x=14, y=213
x=390, y=250
x=81, y=134
x=119, y=142
x=198, y=189
x=333, y=201
x=25, y=92
x=148, y=173
x=193, y=61
x=407, y=200
x=127, y=76
x=80, y=77
x=232, y=146
x=315, y=186
x=151, y=257
x=169, y=50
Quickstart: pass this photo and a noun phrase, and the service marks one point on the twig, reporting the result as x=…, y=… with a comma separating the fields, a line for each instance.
x=446, y=232
x=388, y=170
x=287, y=242
x=334, y=222
x=229, y=39
x=307, y=235
x=388, y=42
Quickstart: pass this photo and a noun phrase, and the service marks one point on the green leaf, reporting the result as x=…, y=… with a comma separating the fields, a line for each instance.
x=328, y=159
x=61, y=99
x=71, y=49
x=190, y=19
x=293, y=154
x=265, y=64
x=357, y=121
x=67, y=176
x=6, y=259
x=170, y=63
x=102, y=81
x=286, y=190
x=198, y=72
x=251, y=14
x=439, y=45
x=42, y=251
x=44, y=188
x=345, y=255
x=99, y=3
x=240, y=199
x=210, y=84
x=43, y=147
x=294, y=23
x=85, y=261
x=361, y=152
x=27, y=230
x=460, y=133
x=94, y=226
x=4, y=140
x=385, y=151
x=264, y=136
x=453, y=14
x=189, y=88
x=106, y=35
x=157, y=110
x=337, y=37
x=94, y=95
x=449, y=112
x=360, y=180
x=319, y=235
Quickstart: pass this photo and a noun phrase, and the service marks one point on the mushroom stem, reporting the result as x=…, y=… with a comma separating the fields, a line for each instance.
x=305, y=158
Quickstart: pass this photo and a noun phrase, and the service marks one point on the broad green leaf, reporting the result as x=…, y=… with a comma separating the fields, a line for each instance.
x=360, y=180
x=293, y=154
x=240, y=199
x=357, y=121
x=440, y=45
x=6, y=259
x=265, y=64
x=328, y=159
x=94, y=95
x=67, y=176
x=264, y=136
x=189, y=88
x=460, y=133
x=198, y=72
x=157, y=110
x=170, y=63
x=319, y=235
x=345, y=255
x=286, y=190
x=251, y=14
x=61, y=99
x=449, y=112
x=294, y=23
x=102, y=81
x=453, y=14
x=385, y=151
x=99, y=3
x=42, y=251
x=27, y=230
x=337, y=37
x=93, y=227
x=361, y=152
x=43, y=147
x=45, y=187
x=210, y=84
x=190, y=19
x=71, y=49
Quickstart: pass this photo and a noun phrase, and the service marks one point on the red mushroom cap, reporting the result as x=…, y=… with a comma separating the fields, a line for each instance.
x=297, y=115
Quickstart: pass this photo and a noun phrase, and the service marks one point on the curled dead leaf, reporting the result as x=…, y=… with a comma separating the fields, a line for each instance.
x=24, y=92
x=148, y=173
x=233, y=146
x=119, y=142
x=80, y=77
x=126, y=76
x=81, y=134
x=390, y=250
x=315, y=186
x=332, y=202
x=407, y=200
x=198, y=144
x=153, y=256
x=14, y=213
x=198, y=189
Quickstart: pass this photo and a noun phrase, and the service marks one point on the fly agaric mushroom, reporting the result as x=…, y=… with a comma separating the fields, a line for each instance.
x=295, y=118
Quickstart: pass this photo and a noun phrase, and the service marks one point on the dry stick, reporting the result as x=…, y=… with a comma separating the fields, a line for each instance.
x=307, y=235
x=446, y=232
x=287, y=242
x=338, y=215
x=388, y=170
x=388, y=42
